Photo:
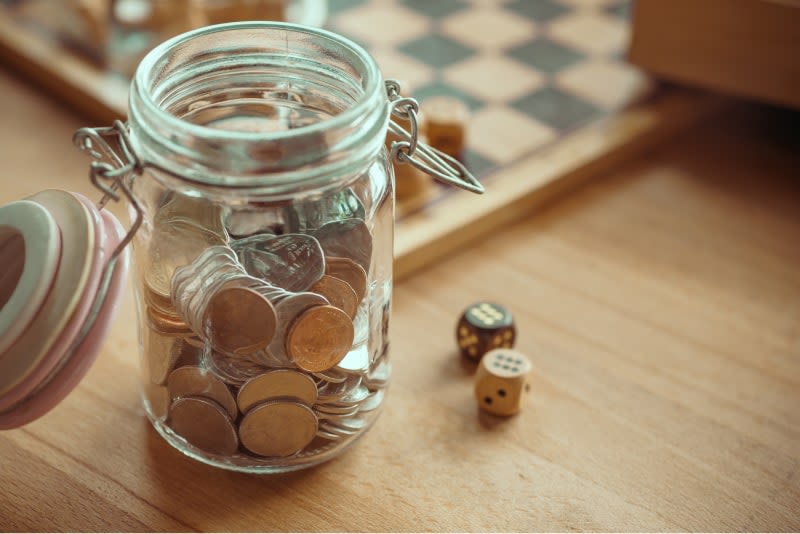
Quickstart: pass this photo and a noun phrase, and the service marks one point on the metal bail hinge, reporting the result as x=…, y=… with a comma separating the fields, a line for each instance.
x=113, y=169
x=429, y=160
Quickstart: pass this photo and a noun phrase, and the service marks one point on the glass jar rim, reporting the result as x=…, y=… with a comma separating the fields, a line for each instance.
x=368, y=113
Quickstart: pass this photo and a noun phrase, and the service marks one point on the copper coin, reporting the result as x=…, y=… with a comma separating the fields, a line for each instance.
x=349, y=271
x=275, y=384
x=240, y=320
x=288, y=310
x=278, y=428
x=193, y=381
x=338, y=292
x=348, y=238
x=319, y=338
x=203, y=423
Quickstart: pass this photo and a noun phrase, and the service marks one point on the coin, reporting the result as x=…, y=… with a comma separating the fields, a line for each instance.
x=250, y=220
x=192, y=211
x=288, y=309
x=166, y=325
x=348, y=238
x=349, y=271
x=173, y=246
x=356, y=361
x=353, y=397
x=338, y=292
x=203, y=423
x=372, y=402
x=274, y=384
x=319, y=338
x=291, y=261
x=278, y=428
x=343, y=204
x=239, y=320
x=233, y=369
x=193, y=381
x=162, y=354
x=332, y=391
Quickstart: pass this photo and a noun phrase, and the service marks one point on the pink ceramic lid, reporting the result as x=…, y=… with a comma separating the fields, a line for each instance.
x=54, y=345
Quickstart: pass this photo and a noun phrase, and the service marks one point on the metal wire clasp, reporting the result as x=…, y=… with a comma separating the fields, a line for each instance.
x=429, y=160
x=113, y=169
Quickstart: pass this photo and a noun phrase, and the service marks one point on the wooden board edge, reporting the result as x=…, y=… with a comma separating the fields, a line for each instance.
x=512, y=193
x=64, y=75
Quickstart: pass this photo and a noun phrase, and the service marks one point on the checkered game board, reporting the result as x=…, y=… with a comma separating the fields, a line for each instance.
x=531, y=71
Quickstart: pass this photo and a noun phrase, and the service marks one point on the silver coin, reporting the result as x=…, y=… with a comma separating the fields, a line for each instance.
x=233, y=369
x=372, y=402
x=332, y=430
x=344, y=428
x=332, y=391
x=328, y=435
x=293, y=262
x=351, y=398
x=348, y=424
x=333, y=412
x=355, y=361
x=251, y=220
x=331, y=375
x=348, y=238
x=203, y=423
x=195, y=211
x=278, y=428
x=341, y=205
x=193, y=381
x=287, y=310
x=276, y=384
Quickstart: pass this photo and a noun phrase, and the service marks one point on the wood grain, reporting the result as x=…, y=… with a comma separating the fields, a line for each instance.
x=661, y=309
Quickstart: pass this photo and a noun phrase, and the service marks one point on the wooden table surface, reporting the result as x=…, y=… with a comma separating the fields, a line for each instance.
x=661, y=307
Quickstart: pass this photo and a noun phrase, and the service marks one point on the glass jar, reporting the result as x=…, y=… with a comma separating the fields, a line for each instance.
x=262, y=201
x=264, y=261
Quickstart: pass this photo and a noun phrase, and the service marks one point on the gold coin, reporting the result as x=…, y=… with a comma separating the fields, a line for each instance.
x=278, y=428
x=192, y=381
x=240, y=320
x=319, y=338
x=203, y=423
x=349, y=271
x=338, y=292
x=275, y=384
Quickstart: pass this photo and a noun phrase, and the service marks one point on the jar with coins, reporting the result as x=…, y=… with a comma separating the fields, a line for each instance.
x=262, y=217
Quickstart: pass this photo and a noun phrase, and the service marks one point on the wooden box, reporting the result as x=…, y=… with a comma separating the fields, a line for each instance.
x=748, y=48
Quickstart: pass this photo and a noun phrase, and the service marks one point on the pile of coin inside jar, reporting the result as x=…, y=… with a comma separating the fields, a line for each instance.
x=257, y=325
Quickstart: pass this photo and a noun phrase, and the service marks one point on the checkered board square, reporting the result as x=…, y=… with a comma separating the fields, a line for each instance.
x=531, y=71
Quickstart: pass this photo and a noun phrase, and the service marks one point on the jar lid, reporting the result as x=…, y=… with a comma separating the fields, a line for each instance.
x=59, y=289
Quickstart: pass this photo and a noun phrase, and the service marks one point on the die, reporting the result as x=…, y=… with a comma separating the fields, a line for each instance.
x=502, y=381
x=485, y=326
x=445, y=123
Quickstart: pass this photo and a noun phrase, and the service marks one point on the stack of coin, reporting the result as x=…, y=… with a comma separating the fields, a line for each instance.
x=259, y=345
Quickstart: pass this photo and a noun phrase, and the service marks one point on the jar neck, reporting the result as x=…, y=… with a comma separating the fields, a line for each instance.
x=269, y=108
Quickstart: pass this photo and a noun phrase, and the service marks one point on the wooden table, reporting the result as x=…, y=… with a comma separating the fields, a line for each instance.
x=661, y=307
